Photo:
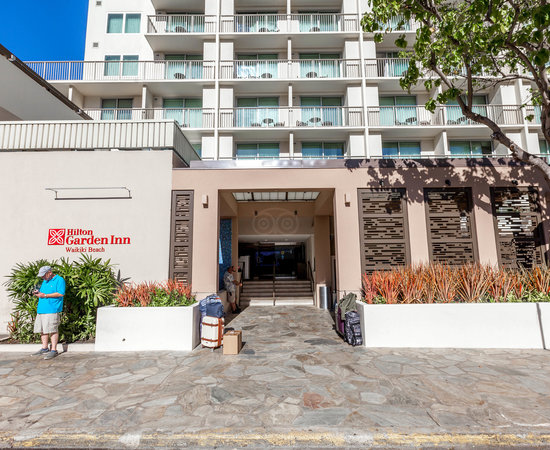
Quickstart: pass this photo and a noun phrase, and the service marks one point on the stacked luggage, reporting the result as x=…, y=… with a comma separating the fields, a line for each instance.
x=348, y=321
x=212, y=321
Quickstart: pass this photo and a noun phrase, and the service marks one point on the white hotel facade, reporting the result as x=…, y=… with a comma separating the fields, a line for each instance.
x=293, y=151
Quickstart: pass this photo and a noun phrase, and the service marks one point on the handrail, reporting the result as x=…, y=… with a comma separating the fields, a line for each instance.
x=289, y=23
x=181, y=23
x=291, y=117
x=185, y=117
x=123, y=70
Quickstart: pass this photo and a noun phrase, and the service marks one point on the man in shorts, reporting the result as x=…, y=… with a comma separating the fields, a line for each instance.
x=230, y=288
x=50, y=304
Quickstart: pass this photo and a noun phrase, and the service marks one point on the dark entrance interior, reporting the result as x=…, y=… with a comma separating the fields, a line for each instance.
x=269, y=261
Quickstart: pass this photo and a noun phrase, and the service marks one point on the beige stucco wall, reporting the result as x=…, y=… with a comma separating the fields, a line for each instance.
x=29, y=210
x=345, y=182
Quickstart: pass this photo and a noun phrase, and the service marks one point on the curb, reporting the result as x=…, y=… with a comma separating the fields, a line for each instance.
x=292, y=438
x=30, y=348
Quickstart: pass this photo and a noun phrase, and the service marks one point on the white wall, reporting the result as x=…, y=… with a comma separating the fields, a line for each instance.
x=145, y=218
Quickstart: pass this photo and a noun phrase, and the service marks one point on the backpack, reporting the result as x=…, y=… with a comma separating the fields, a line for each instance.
x=214, y=309
x=352, y=328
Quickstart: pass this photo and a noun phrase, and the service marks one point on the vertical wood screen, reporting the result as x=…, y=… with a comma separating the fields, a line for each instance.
x=451, y=231
x=383, y=229
x=517, y=218
x=181, y=236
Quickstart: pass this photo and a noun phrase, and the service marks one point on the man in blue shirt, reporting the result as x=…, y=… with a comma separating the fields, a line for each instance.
x=50, y=304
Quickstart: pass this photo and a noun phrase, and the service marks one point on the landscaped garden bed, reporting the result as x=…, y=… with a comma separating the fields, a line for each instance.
x=150, y=317
x=470, y=306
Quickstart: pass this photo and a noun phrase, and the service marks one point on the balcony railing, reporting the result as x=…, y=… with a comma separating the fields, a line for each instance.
x=181, y=23
x=386, y=67
x=285, y=117
x=398, y=24
x=290, y=69
x=448, y=115
x=288, y=23
x=185, y=117
x=123, y=70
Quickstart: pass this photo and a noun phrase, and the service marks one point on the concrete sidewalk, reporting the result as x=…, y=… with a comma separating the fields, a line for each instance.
x=295, y=384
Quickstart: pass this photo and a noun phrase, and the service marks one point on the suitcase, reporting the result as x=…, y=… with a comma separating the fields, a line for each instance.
x=339, y=323
x=212, y=332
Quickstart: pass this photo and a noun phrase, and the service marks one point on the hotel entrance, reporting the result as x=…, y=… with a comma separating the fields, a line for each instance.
x=274, y=261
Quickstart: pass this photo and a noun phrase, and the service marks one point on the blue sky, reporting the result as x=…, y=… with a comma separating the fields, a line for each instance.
x=44, y=30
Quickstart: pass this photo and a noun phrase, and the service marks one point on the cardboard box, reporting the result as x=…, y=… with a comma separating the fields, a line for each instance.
x=232, y=342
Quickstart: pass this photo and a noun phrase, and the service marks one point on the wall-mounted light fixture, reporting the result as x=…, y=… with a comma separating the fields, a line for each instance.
x=448, y=182
x=347, y=199
x=255, y=213
x=295, y=212
x=204, y=201
x=515, y=182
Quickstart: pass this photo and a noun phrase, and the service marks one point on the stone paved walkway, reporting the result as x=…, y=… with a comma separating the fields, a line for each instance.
x=294, y=383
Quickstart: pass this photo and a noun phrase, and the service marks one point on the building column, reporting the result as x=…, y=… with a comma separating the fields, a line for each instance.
x=205, y=257
x=417, y=226
x=346, y=239
x=484, y=224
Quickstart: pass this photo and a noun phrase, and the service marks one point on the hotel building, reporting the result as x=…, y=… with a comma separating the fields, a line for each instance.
x=290, y=149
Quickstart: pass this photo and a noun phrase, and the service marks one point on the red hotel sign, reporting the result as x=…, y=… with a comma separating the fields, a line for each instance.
x=77, y=240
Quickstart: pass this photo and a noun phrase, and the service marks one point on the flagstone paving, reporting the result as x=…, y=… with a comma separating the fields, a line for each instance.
x=294, y=374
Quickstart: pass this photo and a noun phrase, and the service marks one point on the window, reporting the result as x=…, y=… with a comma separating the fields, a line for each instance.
x=319, y=65
x=258, y=151
x=186, y=111
x=257, y=111
x=398, y=110
x=260, y=65
x=130, y=23
x=545, y=149
x=323, y=150
x=113, y=68
x=321, y=111
x=400, y=149
x=180, y=67
x=116, y=109
x=470, y=148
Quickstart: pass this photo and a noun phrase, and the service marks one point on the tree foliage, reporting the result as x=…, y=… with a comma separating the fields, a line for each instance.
x=464, y=47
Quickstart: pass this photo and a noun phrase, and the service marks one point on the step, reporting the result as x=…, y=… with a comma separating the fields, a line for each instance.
x=279, y=301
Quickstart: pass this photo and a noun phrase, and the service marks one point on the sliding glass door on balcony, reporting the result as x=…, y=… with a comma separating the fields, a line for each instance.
x=180, y=67
x=116, y=109
x=114, y=68
x=391, y=65
x=321, y=111
x=269, y=150
x=319, y=65
x=400, y=149
x=398, y=110
x=257, y=111
x=261, y=23
x=257, y=66
x=186, y=112
x=470, y=148
x=454, y=112
x=322, y=150
x=310, y=22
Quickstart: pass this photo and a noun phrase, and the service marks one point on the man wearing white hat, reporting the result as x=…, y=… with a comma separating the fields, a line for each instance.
x=50, y=304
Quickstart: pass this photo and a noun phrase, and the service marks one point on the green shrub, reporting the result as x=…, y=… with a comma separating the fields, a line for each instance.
x=90, y=283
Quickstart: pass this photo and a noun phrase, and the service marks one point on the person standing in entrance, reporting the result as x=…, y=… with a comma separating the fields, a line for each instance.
x=50, y=304
x=230, y=288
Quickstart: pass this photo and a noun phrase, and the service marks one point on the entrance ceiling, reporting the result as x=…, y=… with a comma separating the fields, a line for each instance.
x=276, y=196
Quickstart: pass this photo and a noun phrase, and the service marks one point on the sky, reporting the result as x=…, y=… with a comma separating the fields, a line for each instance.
x=44, y=30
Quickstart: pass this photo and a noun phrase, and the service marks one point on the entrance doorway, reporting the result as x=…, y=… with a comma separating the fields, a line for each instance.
x=275, y=261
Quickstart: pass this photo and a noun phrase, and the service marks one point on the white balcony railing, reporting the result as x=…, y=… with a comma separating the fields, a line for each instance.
x=181, y=23
x=293, y=69
x=286, y=117
x=123, y=70
x=288, y=23
x=398, y=24
x=386, y=67
x=417, y=115
x=185, y=117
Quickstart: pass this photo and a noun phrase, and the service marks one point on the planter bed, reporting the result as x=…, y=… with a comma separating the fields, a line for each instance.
x=455, y=325
x=147, y=328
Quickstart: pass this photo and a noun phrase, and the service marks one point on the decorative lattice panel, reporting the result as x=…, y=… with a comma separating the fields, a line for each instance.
x=517, y=223
x=181, y=240
x=450, y=225
x=383, y=228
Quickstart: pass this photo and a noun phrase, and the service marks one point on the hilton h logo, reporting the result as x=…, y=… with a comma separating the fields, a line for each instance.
x=56, y=236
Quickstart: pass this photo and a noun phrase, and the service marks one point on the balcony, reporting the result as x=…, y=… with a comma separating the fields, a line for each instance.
x=123, y=70
x=181, y=24
x=416, y=115
x=185, y=117
x=398, y=24
x=386, y=67
x=289, y=69
x=290, y=117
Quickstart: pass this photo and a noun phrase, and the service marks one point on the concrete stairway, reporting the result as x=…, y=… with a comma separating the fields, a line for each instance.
x=280, y=292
